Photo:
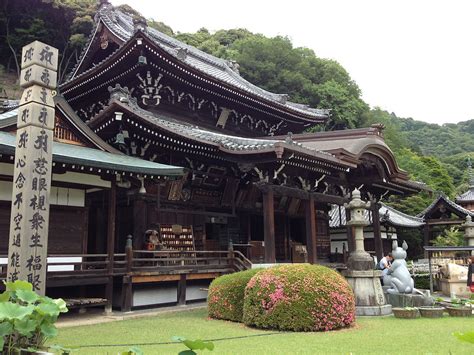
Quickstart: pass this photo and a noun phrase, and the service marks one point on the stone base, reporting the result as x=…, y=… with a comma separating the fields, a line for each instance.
x=369, y=296
x=408, y=300
x=384, y=310
x=456, y=287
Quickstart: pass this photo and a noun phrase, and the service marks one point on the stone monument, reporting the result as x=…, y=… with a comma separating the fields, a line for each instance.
x=398, y=278
x=28, y=244
x=361, y=273
x=398, y=283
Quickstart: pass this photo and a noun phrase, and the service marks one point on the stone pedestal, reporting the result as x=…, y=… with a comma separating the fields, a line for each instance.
x=360, y=273
x=408, y=300
x=369, y=296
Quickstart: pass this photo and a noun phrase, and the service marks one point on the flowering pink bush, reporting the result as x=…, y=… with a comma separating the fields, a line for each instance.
x=226, y=295
x=299, y=297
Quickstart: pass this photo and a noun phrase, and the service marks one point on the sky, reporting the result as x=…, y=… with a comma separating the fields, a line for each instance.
x=411, y=57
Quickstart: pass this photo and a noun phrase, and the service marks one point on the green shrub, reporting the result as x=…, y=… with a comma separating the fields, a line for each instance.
x=226, y=295
x=422, y=282
x=299, y=297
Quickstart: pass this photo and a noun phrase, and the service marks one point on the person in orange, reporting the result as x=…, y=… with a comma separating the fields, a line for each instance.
x=152, y=240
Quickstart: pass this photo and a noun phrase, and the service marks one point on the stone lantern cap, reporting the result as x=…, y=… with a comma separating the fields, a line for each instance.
x=469, y=222
x=469, y=230
x=357, y=208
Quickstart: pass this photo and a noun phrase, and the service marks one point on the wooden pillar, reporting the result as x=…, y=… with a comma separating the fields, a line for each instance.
x=426, y=237
x=269, y=226
x=377, y=233
x=350, y=233
x=182, y=290
x=127, y=292
x=111, y=243
x=139, y=221
x=311, y=230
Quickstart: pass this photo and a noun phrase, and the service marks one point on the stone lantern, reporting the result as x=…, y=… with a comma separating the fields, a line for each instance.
x=361, y=273
x=359, y=259
x=469, y=232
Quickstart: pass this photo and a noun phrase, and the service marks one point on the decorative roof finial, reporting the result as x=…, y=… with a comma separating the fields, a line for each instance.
x=139, y=24
x=182, y=53
x=101, y=3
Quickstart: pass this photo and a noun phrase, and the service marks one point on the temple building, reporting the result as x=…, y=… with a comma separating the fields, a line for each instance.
x=153, y=134
x=390, y=222
x=443, y=212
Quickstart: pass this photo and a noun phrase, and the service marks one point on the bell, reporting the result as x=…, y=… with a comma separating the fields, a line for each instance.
x=142, y=60
x=119, y=138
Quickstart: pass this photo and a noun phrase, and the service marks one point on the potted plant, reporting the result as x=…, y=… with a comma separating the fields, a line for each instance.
x=434, y=311
x=460, y=308
x=405, y=312
x=27, y=319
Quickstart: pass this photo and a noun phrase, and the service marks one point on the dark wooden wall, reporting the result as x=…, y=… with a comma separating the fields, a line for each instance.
x=67, y=229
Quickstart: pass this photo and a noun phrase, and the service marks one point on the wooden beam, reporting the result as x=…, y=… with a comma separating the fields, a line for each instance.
x=377, y=233
x=206, y=276
x=442, y=222
x=311, y=230
x=111, y=243
x=269, y=226
x=155, y=278
x=279, y=190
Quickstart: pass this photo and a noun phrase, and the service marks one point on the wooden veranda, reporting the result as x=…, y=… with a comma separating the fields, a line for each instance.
x=118, y=275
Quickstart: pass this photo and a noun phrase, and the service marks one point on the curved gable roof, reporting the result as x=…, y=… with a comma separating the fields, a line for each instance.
x=121, y=26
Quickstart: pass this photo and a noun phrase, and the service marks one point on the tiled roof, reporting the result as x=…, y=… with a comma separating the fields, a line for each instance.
x=121, y=24
x=454, y=205
x=387, y=214
x=468, y=196
x=9, y=114
x=224, y=142
x=9, y=105
x=75, y=154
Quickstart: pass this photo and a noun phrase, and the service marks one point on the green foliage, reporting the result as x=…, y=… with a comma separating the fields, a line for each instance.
x=450, y=237
x=160, y=26
x=467, y=337
x=226, y=295
x=299, y=297
x=27, y=319
x=192, y=345
x=422, y=282
x=64, y=24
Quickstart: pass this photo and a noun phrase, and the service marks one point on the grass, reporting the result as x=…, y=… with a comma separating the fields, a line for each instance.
x=387, y=335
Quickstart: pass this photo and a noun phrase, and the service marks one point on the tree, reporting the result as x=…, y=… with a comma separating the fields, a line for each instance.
x=64, y=24
x=451, y=237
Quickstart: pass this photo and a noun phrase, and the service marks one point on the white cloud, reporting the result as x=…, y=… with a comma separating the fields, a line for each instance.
x=414, y=58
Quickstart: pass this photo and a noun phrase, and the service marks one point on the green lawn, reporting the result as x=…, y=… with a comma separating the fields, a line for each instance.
x=368, y=335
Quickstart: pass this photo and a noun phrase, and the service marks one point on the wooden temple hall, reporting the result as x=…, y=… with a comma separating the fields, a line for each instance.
x=153, y=134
